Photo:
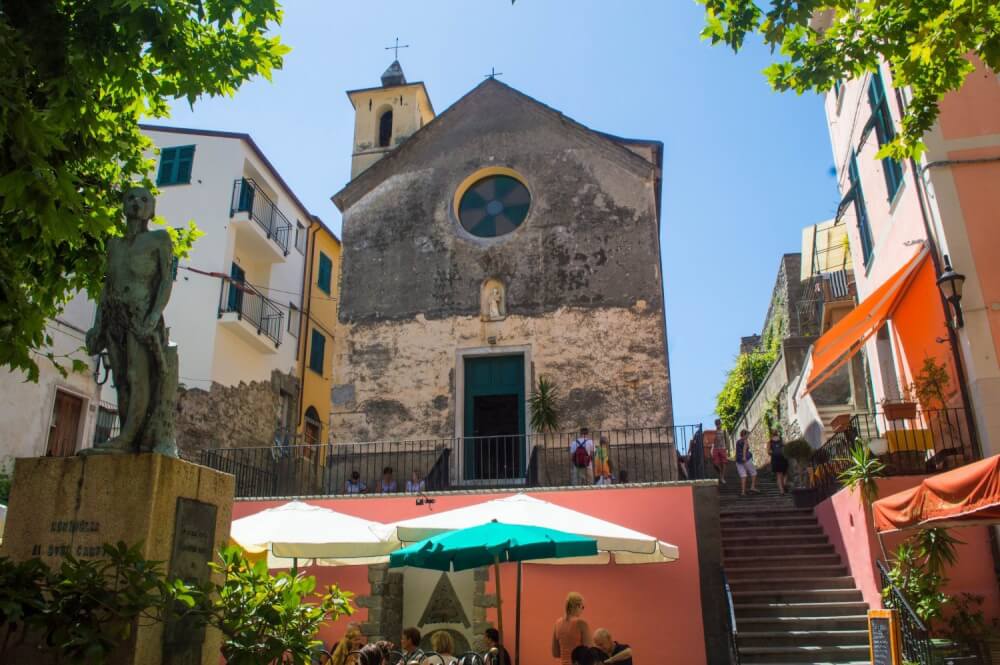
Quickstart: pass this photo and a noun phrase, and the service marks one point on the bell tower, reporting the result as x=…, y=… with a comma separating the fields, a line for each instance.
x=386, y=116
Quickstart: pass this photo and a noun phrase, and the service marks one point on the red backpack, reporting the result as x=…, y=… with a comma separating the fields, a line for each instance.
x=581, y=457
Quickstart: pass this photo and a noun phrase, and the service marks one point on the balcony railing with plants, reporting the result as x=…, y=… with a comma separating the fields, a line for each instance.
x=248, y=197
x=930, y=441
x=252, y=306
x=293, y=468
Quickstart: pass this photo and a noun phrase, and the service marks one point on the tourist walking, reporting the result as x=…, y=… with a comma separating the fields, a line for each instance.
x=571, y=631
x=720, y=451
x=602, y=462
x=581, y=459
x=744, y=464
x=779, y=463
x=611, y=651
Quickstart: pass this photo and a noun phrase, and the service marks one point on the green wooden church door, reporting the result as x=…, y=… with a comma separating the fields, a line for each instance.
x=494, y=417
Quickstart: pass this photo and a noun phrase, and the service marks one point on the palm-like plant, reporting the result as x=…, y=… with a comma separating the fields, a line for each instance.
x=543, y=406
x=862, y=472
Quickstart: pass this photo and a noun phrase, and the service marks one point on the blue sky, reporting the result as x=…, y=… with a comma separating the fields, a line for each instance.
x=744, y=170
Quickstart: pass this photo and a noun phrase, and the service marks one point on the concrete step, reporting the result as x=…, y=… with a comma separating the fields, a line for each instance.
x=775, y=550
x=822, y=623
x=803, y=638
x=782, y=561
x=766, y=539
x=794, y=530
x=762, y=584
x=821, y=595
x=758, y=521
x=796, y=610
x=804, y=654
x=770, y=510
x=754, y=572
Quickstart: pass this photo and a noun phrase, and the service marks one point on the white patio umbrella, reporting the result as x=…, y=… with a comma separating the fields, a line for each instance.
x=298, y=530
x=614, y=542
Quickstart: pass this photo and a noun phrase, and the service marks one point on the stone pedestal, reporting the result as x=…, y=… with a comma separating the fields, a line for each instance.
x=180, y=512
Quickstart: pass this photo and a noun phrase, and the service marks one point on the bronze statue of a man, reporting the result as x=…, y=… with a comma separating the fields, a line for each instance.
x=129, y=325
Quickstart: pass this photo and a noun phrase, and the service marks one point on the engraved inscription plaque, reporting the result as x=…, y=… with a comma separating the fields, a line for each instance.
x=194, y=540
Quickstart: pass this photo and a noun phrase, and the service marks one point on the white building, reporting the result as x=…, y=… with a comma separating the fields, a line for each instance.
x=58, y=414
x=237, y=337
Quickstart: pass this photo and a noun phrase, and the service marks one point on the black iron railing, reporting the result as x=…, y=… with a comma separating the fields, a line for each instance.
x=293, y=468
x=734, y=643
x=917, y=645
x=248, y=197
x=108, y=424
x=252, y=306
x=927, y=441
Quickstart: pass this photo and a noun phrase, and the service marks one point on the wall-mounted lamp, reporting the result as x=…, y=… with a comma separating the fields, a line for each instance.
x=950, y=283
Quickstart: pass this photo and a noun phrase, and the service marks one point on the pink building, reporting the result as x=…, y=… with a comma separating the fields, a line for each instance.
x=906, y=220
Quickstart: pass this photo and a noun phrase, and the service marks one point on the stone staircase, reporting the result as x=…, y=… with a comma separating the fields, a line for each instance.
x=794, y=599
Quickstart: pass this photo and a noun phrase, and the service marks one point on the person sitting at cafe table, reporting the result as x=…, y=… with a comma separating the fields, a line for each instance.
x=495, y=654
x=410, y=644
x=354, y=484
x=611, y=651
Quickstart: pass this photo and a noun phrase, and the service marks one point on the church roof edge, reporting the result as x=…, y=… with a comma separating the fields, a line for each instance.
x=340, y=198
x=376, y=88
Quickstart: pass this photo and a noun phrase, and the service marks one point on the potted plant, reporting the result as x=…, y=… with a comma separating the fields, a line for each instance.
x=903, y=407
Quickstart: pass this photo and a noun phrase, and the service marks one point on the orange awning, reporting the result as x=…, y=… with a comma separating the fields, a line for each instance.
x=965, y=496
x=836, y=346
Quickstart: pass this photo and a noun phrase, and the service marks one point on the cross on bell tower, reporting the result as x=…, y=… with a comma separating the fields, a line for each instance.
x=395, y=49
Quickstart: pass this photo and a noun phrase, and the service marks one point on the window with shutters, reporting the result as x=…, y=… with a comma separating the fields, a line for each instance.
x=300, y=237
x=293, y=320
x=175, y=166
x=885, y=132
x=325, y=273
x=317, y=349
x=861, y=212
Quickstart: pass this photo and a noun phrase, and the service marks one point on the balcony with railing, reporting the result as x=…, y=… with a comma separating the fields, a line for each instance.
x=262, y=229
x=291, y=468
x=250, y=315
x=931, y=441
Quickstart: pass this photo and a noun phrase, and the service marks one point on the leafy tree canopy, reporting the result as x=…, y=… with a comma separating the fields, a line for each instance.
x=927, y=44
x=75, y=78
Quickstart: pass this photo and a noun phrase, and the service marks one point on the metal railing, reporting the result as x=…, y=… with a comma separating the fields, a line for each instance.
x=252, y=306
x=248, y=197
x=917, y=645
x=930, y=441
x=734, y=643
x=292, y=468
x=108, y=423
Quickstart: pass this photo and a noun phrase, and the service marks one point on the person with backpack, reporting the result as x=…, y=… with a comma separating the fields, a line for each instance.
x=581, y=459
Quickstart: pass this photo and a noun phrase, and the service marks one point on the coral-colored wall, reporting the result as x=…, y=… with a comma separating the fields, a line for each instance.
x=647, y=606
x=849, y=526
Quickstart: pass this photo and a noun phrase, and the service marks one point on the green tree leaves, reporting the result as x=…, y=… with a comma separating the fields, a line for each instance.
x=931, y=47
x=75, y=78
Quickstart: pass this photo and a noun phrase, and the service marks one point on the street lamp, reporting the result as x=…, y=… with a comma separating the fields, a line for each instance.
x=950, y=283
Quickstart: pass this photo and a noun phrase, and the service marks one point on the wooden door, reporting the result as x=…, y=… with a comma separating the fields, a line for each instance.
x=65, y=426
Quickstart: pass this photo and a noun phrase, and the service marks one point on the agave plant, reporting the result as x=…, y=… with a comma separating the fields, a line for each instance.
x=862, y=472
x=542, y=404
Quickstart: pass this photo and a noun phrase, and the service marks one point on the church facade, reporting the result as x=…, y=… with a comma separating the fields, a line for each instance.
x=487, y=247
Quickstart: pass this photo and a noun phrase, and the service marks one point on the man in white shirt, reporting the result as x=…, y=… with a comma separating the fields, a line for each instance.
x=581, y=459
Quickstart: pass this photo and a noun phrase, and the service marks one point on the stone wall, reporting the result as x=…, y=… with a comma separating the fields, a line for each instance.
x=240, y=416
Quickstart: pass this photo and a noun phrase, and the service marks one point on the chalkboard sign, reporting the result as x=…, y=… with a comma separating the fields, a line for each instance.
x=883, y=636
x=881, y=641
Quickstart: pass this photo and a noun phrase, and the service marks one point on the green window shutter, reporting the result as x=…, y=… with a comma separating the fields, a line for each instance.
x=168, y=163
x=175, y=165
x=185, y=159
x=885, y=132
x=317, y=349
x=325, y=273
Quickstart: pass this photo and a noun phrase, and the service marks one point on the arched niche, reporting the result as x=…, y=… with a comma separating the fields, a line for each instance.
x=493, y=300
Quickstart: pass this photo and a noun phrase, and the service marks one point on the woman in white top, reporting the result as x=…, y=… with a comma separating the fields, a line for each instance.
x=415, y=484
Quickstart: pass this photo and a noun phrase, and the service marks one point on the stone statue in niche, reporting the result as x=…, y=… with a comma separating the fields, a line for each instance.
x=129, y=327
x=494, y=308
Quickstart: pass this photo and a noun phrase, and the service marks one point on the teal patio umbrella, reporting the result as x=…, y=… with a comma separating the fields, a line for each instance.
x=492, y=543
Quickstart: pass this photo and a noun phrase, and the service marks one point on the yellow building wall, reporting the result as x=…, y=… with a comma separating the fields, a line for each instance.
x=319, y=313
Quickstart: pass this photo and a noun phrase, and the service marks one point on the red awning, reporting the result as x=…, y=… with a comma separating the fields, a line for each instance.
x=965, y=496
x=836, y=346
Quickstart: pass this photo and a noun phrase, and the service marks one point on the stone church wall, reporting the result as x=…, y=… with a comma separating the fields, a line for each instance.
x=581, y=275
